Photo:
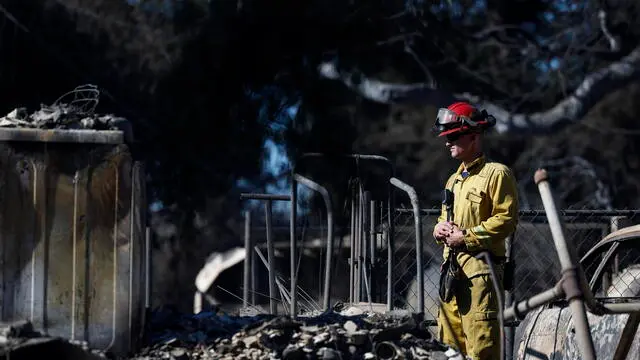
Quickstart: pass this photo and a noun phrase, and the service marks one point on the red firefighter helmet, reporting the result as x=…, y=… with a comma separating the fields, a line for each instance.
x=462, y=117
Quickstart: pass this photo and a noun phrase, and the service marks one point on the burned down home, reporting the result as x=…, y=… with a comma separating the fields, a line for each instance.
x=77, y=265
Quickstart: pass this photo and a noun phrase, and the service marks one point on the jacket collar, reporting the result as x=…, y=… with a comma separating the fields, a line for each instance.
x=473, y=168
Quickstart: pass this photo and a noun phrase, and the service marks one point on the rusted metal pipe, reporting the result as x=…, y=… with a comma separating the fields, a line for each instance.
x=415, y=204
x=519, y=309
x=622, y=308
x=570, y=268
x=329, y=259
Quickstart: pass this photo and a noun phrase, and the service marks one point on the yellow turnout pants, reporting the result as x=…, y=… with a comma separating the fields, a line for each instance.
x=470, y=319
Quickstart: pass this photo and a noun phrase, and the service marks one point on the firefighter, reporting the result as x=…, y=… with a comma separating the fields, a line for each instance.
x=485, y=210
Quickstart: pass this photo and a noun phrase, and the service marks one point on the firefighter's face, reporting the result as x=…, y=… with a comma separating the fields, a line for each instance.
x=461, y=146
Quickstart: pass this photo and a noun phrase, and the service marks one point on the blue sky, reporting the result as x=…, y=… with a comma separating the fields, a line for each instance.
x=276, y=162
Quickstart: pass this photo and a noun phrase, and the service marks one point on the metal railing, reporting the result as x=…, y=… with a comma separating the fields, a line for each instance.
x=355, y=260
x=544, y=268
x=536, y=264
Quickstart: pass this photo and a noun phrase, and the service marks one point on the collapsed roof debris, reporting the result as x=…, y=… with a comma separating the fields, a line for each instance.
x=328, y=336
x=74, y=110
x=59, y=117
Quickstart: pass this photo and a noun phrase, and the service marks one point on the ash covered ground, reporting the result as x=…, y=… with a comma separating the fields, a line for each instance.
x=350, y=334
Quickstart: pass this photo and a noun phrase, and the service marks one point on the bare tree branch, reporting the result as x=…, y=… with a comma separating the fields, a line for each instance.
x=382, y=92
x=613, y=42
x=571, y=109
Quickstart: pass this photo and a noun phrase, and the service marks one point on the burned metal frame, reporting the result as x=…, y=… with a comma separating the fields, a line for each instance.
x=361, y=217
x=390, y=209
x=415, y=204
x=573, y=285
x=614, y=239
x=130, y=266
x=268, y=212
x=571, y=276
x=329, y=256
x=607, y=258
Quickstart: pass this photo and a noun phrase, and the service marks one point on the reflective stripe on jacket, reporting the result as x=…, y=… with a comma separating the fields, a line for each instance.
x=486, y=205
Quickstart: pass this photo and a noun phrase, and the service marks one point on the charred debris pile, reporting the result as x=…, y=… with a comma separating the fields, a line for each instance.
x=350, y=334
x=74, y=110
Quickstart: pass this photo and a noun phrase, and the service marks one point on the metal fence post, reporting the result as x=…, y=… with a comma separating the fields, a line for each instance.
x=357, y=291
x=372, y=247
x=508, y=296
x=293, y=248
x=411, y=192
x=352, y=250
x=248, y=265
x=273, y=308
x=329, y=259
x=366, y=269
x=390, y=249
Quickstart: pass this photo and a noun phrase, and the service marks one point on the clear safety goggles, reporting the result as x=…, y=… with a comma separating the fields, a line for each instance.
x=448, y=122
x=448, y=119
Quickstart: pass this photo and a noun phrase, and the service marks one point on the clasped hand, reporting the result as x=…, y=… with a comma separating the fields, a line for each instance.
x=449, y=233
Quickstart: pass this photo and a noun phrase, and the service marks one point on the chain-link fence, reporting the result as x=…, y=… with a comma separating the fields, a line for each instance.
x=613, y=271
x=533, y=253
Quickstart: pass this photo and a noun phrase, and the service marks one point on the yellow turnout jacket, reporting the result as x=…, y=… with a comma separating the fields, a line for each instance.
x=486, y=205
